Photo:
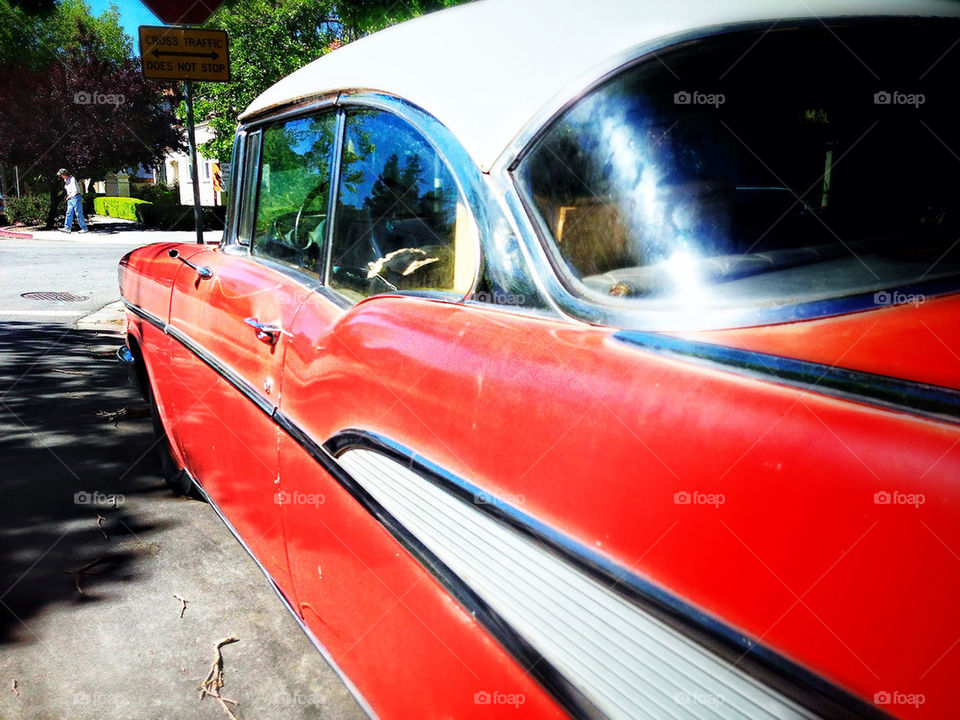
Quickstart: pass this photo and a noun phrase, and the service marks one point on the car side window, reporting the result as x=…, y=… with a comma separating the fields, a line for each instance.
x=400, y=222
x=294, y=191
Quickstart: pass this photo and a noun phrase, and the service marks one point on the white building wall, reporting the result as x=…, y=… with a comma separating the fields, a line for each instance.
x=177, y=167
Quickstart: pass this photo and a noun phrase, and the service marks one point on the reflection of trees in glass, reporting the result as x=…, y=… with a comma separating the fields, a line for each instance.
x=397, y=209
x=357, y=149
x=396, y=195
x=296, y=161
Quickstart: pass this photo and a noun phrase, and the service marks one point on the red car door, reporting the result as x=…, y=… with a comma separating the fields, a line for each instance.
x=228, y=381
x=399, y=224
x=232, y=314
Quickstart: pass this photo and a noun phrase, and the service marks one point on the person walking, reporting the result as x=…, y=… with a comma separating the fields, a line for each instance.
x=74, y=201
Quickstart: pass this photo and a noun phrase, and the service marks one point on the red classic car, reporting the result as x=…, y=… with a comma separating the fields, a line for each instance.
x=592, y=360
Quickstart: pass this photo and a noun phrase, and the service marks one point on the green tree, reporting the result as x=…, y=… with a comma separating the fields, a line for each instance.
x=72, y=96
x=31, y=38
x=361, y=17
x=269, y=39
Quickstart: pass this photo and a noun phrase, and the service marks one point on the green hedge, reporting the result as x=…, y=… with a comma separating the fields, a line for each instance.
x=160, y=215
x=120, y=207
x=28, y=209
x=158, y=194
x=180, y=217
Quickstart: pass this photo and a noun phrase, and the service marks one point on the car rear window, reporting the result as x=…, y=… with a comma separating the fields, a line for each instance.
x=759, y=169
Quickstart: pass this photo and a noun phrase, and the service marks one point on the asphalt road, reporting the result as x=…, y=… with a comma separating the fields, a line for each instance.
x=94, y=547
x=85, y=269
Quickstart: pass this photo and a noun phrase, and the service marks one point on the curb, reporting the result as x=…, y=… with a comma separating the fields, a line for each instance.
x=109, y=318
x=4, y=232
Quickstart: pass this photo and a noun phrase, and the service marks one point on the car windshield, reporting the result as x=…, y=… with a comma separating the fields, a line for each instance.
x=759, y=169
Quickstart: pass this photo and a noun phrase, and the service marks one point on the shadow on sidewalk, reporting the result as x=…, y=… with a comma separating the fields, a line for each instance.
x=75, y=444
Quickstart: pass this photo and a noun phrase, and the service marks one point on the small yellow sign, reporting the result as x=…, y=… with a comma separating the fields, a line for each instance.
x=176, y=53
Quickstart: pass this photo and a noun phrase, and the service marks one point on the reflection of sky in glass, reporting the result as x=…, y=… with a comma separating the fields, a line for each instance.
x=387, y=137
x=633, y=177
x=303, y=135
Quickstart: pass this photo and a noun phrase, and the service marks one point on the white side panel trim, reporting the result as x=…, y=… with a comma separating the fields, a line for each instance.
x=628, y=663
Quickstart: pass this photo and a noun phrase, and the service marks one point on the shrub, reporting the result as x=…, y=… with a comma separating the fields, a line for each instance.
x=180, y=217
x=158, y=194
x=28, y=209
x=120, y=207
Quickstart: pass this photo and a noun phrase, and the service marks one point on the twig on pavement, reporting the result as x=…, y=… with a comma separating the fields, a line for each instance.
x=214, y=681
x=100, y=519
x=81, y=571
x=183, y=605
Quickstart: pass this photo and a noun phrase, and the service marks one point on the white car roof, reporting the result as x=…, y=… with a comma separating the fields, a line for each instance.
x=486, y=68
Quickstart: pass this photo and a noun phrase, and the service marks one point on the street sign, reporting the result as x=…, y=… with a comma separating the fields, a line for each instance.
x=175, y=53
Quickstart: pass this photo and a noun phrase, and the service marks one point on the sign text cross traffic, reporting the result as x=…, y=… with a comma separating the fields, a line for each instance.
x=177, y=53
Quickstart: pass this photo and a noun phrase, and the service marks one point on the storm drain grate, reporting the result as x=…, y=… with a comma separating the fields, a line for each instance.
x=53, y=296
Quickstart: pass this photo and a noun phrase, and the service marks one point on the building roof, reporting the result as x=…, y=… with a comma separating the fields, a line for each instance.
x=486, y=68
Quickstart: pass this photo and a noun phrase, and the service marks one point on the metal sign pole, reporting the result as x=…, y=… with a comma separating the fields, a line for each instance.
x=194, y=175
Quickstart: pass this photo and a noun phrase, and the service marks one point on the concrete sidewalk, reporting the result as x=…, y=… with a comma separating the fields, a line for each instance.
x=95, y=553
x=109, y=318
x=106, y=229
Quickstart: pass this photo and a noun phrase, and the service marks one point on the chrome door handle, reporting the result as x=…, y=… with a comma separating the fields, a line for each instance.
x=265, y=331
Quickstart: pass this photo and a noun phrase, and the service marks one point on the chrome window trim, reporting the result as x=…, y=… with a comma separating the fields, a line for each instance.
x=588, y=81
x=248, y=205
x=247, y=128
x=339, y=133
x=233, y=199
x=592, y=78
x=551, y=272
x=235, y=248
x=286, y=112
